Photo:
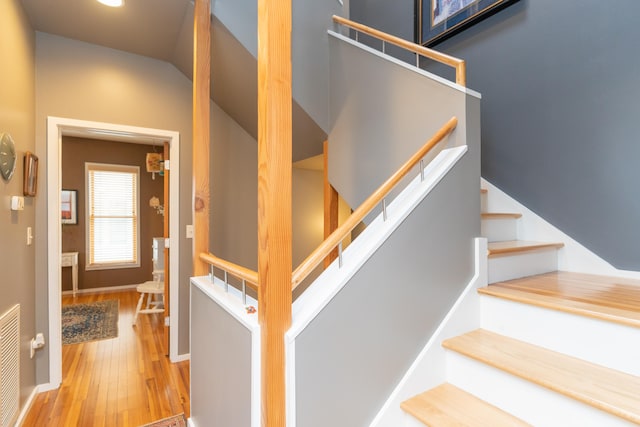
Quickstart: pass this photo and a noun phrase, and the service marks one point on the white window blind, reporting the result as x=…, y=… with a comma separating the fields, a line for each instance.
x=112, y=216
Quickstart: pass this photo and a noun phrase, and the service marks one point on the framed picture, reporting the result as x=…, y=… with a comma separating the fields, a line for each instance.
x=69, y=206
x=437, y=20
x=30, y=180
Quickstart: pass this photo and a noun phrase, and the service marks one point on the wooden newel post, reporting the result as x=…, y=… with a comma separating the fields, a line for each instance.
x=201, y=126
x=274, y=201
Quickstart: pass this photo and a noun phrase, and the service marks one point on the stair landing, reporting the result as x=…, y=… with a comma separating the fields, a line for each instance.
x=607, y=298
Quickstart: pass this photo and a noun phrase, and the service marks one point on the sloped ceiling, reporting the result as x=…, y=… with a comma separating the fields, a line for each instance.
x=163, y=29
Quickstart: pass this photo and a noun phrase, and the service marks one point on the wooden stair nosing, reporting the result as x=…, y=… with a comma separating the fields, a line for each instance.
x=606, y=389
x=602, y=297
x=512, y=247
x=582, y=308
x=603, y=290
x=447, y=405
x=500, y=215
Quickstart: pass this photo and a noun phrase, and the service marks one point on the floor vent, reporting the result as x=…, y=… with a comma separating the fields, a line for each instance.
x=9, y=366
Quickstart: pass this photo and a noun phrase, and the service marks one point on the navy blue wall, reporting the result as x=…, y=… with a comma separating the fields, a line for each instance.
x=560, y=114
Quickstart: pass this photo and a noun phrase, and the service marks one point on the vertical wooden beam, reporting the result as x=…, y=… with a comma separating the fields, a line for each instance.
x=201, y=126
x=274, y=201
x=330, y=205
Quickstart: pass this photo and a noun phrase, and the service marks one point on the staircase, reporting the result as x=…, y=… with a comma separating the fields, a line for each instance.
x=554, y=348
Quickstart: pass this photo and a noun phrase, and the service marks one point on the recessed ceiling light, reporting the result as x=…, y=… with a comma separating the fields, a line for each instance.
x=112, y=3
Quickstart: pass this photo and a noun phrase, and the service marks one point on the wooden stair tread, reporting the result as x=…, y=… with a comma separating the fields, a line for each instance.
x=612, y=391
x=500, y=215
x=446, y=405
x=602, y=297
x=483, y=191
x=519, y=246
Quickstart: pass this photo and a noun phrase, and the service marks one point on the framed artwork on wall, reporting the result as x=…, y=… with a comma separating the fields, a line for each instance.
x=69, y=206
x=30, y=181
x=437, y=20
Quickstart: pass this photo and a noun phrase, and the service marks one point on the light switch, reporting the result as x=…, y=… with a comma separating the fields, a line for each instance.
x=189, y=231
x=17, y=203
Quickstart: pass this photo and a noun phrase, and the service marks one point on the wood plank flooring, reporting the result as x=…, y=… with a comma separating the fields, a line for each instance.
x=124, y=381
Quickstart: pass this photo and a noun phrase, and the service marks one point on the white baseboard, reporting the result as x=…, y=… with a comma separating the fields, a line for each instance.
x=101, y=290
x=181, y=358
x=572, y=257
x=41, y=388
x=429, y=368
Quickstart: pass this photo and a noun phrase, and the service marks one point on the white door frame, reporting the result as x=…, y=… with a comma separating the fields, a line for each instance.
x=56, y=127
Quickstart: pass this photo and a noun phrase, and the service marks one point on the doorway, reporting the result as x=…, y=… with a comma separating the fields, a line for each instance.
x=56, y=128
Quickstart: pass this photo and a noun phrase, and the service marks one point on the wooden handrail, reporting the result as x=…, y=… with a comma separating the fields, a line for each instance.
x=316, y=257
x=237, y=270
x=458, y=64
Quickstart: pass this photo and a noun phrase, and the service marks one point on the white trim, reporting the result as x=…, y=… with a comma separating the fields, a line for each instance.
x=572, y=257
x=333, y=278
x=56, y=126
x=231, y=302
x=27, y=406
x=102, y=290
x=428, y=370
x=181, y=358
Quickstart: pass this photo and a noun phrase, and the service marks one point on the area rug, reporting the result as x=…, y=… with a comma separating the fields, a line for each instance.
x=175, y=421
x=89, y=322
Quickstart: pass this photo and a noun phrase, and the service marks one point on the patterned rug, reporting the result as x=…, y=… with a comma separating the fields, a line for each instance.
x=175, y=421
x=89, y=322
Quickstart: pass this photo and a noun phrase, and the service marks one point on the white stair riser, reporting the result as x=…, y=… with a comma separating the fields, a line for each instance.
x=499, y=230
x=604, y=343
x=523, y=399
x=484, y=202
x=513, y=266
x=411, y=421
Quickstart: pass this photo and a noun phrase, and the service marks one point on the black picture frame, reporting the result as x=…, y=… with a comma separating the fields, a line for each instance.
x=437, y=20
x=69, y=206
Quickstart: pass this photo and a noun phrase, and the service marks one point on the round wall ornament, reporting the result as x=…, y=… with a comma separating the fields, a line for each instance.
x=7, y=156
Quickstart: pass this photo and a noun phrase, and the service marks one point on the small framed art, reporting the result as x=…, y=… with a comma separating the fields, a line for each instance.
x=69, y=206
x=30, y=181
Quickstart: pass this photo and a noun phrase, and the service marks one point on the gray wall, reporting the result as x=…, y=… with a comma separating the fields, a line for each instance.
x=309, y=46
x=17, y=117
x=352, y=355
x=220, y=366
x=88, y=82
x=381, y=113
x=559, y=118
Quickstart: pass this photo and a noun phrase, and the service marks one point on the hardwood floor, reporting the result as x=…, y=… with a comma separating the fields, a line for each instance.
x=124, y=381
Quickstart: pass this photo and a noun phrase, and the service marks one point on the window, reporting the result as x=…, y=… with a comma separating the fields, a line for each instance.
x=112, y=216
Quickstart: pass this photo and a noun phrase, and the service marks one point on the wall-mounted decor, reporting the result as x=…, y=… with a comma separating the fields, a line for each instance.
x=7, y=156
x=437, y=20
x=69, y=206
x=30, y=180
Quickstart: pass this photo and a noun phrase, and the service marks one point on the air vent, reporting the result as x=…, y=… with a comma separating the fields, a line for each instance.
x=9, y=366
